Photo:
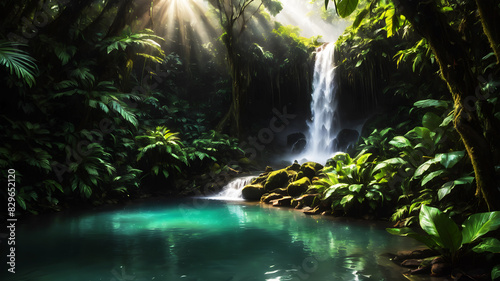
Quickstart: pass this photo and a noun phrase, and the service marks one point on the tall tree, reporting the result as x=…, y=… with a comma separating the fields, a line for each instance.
x=473, y=117
x=233, y=17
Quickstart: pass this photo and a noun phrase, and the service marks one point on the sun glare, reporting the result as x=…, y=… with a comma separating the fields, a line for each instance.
x=184, y=18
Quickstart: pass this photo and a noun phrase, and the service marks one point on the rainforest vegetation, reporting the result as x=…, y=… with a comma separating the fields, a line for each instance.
x=104, y=101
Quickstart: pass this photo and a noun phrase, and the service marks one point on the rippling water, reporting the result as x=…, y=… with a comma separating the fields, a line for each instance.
x=201, y=240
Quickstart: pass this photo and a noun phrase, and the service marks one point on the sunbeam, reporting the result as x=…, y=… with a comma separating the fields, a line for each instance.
x=307, y=16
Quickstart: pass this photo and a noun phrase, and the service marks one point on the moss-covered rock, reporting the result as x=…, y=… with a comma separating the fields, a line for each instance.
x=292, y=175
x=276, y=179
x=298, y=187
x=294, y=167
x=309, y=169
x=282, y=191
x=252, y=192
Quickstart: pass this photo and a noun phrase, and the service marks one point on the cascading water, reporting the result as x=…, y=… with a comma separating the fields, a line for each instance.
x=324, y=125
x=232, y=190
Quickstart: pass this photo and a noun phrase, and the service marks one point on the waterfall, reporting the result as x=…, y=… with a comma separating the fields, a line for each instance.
x=232, y=190
x=324, y=125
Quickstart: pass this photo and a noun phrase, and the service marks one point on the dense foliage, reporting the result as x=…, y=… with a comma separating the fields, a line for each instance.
x=98, y=107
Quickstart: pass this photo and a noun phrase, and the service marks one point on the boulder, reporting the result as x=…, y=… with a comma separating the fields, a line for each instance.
x=252, y=192
x=276, y=179
x=281, y=191
x=345, y=138
x=298, y=187
x=309, y=169
x=272, y=196
x=294, y=167
x=296, y=142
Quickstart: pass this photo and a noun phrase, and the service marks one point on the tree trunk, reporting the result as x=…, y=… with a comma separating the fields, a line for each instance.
x=455, y=63
x=490, y=18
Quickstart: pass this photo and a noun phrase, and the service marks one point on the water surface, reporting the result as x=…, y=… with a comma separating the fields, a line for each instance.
x=207, y=240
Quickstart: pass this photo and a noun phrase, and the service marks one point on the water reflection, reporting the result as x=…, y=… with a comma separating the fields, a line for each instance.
x=210, y=241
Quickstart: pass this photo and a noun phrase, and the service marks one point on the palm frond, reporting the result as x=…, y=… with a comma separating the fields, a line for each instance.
x=18, y=62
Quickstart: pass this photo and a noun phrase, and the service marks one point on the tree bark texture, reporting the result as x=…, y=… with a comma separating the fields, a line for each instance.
x=455, y=63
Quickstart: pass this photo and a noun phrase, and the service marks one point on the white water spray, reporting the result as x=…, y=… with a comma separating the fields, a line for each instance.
x=324, y=125
x=232, y=190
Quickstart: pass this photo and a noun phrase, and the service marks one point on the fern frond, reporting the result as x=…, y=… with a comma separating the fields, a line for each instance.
x=18, y=62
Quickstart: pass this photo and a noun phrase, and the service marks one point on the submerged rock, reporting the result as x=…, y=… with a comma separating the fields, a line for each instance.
x=298, y=187
x=252, y=192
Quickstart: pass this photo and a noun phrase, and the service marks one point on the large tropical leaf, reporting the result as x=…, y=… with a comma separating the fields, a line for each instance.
x=489, y=244
x=448, y=186
x=431, y=176
x=400, y=142
x=431, y=103
x=345, y=7
x=495, y=272
x=448, y=160
x=425, y=166
x=18, y=61
x=431, y=121
x=479, y=224
x=441, y=228
x=406, y=231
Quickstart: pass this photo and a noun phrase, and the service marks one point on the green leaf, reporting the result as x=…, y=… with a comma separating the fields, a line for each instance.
x=448, y=186
x=400, y=142
x=363, y=158
x=346, y=199
x=356, y=187
x=441, y=228
x=431, y=176
x=86, y=190
x=389, y=21
x=431, y=121
x=425, y=166
x=448, y=160
x=20, y=201
x=18, y=62
x=361, y=15
x=391, y=161
x=445, y=189
x=447, y=120
x=406, y=231
x=479, y=224
x=431, y=103
x=489, y=244
x=495, y=272
x=345, y=7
